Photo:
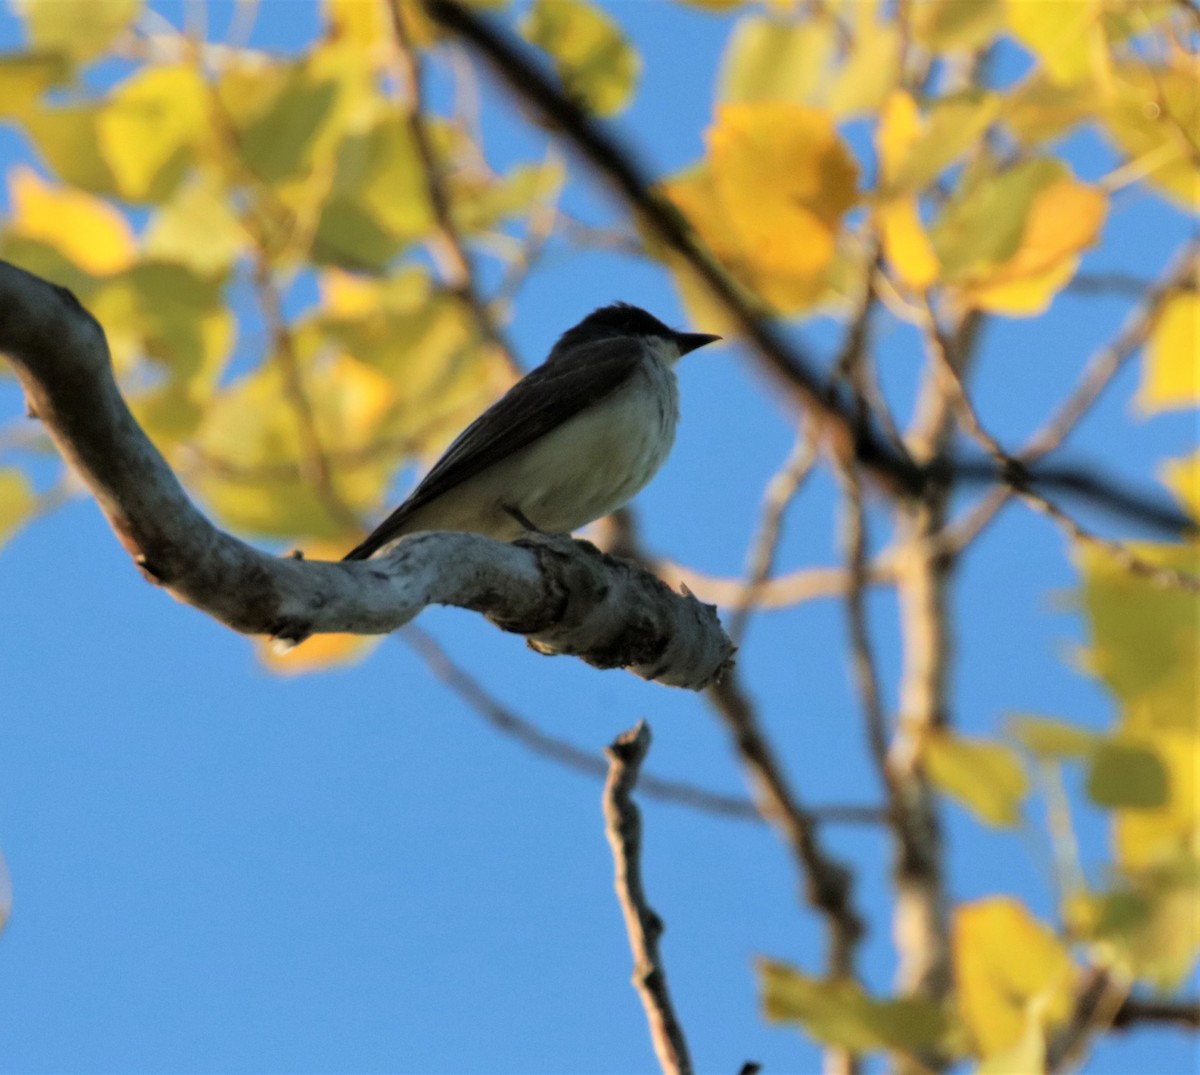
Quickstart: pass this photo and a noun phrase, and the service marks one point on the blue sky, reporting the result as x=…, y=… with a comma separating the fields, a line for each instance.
x=219, y=870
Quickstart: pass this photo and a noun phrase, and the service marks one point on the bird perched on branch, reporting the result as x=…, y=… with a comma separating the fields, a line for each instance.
x=570, y=442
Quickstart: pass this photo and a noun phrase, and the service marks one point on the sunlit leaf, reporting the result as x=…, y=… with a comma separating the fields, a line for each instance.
x=367, y=25
x=1144, y=637
x=1152, y=115
x=1183, y=478
x=1067, y=38
x=944, y=25
x=1052, y=738
x=1040, y=109
x=478, y=203
x=1013, y=240
x=1148, y=926
x=921, y=148
x=1010, y=968
x=379, y=201
x=784, y=179
x=196, y=228
x=147, y=128
x=256, y=476
x=79, y=28
x=772, y=60
x=25, y=76
x=869, y=73
x=1127, y=775
x=318, y=653
x=906, y=244
x=985, y=776
x=66, y=138
x=714, y=5
x=1171, y=371
x=595, y=61
x=840, y=1013
x=89, y=232
x=1159, y=832
x=17, y=501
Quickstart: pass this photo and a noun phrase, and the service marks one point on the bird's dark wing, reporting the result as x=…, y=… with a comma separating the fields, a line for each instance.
x=538, y=403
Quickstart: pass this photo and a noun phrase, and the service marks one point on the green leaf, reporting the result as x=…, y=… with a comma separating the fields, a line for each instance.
x=68, y=141
x=80, y=28
x=840, y=1013
x=17, y=501
x=984, y=221
x=1050, y=738
x=1127, y=776
x=595, y=61
x=1144, y=638
x=985, y=776
x=771, y=60
x=378, y=203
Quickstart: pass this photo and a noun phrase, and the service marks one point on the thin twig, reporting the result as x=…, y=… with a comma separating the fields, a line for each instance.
x=781, y=491
x=680, y=793
x=448, y=247
x=623, y=826
x=969, y=419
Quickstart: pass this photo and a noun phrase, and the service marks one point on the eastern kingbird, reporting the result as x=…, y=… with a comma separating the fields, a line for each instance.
x=570, y=442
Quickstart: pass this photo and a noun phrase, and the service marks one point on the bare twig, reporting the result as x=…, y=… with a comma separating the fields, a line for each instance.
x=448, y=247
x=499, y=716
x=952, y=382
x=1178, y=1013
x=623, y=826
x=780, y=492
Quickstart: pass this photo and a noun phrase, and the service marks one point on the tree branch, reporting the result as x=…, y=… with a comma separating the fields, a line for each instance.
x=623, y=826
x=565, y=596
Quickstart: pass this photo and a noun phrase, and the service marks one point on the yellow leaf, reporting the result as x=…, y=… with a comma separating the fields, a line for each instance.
x=1064, y=218
x=66, y=138
x=775, y=60
x=1010, y=969
x=900, y=128
x=197, y=228
x=784, y=178
x=906, y=244
x=147, y=129
x=80, y=28
x=593, y=58
x=1171, y=371
x=1183, y=478
x=17, y=501
x=985, y=776
x=1052, y=738
x=945, y=25
x=870, y=70
x=88, y=231
x=1151, y=115
x=1064, y=36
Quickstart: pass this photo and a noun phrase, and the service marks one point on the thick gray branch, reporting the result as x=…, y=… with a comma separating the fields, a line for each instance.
x=565, y=596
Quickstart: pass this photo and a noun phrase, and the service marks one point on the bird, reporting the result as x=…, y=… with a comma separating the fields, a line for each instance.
x=573, y=440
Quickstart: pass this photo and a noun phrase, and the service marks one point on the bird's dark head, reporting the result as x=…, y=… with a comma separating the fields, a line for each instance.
x=623, y=320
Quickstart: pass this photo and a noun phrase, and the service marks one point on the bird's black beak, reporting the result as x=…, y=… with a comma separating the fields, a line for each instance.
x=690, y=341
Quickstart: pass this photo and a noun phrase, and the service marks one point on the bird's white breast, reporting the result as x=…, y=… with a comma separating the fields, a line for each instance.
x=601, y=458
